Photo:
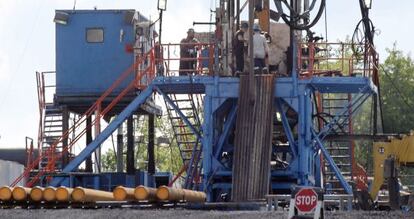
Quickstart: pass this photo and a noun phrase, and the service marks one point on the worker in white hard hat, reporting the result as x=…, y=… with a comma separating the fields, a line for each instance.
x=188, y=50
x=260, y=48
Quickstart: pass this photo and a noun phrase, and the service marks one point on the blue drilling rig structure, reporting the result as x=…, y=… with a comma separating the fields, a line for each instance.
x=240, y=137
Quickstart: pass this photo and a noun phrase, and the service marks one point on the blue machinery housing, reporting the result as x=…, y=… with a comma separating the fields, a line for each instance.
x=220, y=101
x=87, y=65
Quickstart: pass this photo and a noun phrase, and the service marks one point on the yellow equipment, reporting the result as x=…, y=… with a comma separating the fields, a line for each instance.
x=388, y=156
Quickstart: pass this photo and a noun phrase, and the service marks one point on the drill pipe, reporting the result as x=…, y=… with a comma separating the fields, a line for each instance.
x=165, y=193
x=49, y=194
x=6, y=193
x=80, y=194
x=36, y=194
x=20, y=193
x=143, y=193
x=63, y=194
x=121, y=193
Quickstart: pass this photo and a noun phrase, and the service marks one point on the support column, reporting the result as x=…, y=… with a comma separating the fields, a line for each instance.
x=130, y=166
x=88, y=161
x=120, y=149
x=65, y=127
x=151, y=138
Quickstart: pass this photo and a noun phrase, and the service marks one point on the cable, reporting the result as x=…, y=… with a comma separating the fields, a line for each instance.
x=292, y=20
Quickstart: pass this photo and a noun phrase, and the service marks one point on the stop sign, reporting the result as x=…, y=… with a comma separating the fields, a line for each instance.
x=306, y=200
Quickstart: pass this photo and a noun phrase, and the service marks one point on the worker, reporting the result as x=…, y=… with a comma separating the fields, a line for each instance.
x=239, y=47
x=260, y=48
x=188, y=50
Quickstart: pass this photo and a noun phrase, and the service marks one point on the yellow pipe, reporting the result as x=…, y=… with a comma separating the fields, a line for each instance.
x=194, y=196
x=20, y=193
x=165, y=193
x=143, y=193
x=49, y=194
x=80, y=194
x=121, y=193
x=36, y=194
x=6, y=193
x=63, y=194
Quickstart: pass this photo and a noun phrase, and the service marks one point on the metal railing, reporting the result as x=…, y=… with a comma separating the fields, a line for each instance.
x=337, y=59
x=198, y=59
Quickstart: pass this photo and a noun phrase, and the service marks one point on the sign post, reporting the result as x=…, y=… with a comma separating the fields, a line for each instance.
x=306, y=201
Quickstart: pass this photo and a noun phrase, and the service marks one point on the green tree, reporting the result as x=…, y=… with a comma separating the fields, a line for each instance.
x=397, y=85
x=167, y=156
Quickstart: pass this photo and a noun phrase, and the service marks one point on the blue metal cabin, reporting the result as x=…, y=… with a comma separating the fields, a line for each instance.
x=93, y=48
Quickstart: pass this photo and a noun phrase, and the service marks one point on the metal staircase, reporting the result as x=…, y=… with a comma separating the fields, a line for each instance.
x=188, y=142
x=341, y=151
x=143, y=71
x=52, y=130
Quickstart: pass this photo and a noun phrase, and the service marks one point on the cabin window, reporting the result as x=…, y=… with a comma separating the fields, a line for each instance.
x=94, y=35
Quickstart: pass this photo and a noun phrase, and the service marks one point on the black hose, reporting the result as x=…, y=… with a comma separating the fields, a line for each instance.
x=296, y=17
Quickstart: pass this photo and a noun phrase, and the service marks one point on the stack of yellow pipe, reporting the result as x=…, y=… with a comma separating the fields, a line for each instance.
x=121, y=193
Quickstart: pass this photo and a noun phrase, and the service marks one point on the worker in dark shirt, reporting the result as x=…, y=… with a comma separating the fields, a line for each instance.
x=188, y=49
x=239, y=47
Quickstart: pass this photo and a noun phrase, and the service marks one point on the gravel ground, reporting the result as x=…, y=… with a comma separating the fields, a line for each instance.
x=178, y=214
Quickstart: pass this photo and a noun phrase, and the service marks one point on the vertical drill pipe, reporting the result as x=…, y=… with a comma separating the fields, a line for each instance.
x=120, y=150
x=63, y=194
x=6, y=193
x=121, y=193
x=80, y=194
x=143, y=193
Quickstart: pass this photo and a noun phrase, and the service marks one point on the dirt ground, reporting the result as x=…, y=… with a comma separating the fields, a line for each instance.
x=179, y=213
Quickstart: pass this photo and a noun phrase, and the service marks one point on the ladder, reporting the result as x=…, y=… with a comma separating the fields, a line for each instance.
x=341, y=151
x=189, y=144
x=52, y=130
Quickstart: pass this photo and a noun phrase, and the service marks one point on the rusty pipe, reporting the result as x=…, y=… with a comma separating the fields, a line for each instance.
x=63, y=194
x=121, y=193
x=194, y=196
x=20, y=193
x=6, y=193
x=80, y=194
x=143, y=193
x=36, y=194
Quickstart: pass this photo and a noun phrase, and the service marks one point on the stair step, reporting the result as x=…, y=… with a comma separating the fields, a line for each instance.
x=53, y=120
x=181, y=100
x=340, y=156
x=343, y=173
x=186, y=142
x=180, y=117
x=52, y=131
x=188, y=150
x=185, y=108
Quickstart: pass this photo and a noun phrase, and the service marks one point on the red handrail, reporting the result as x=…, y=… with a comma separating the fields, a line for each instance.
x=137, y=83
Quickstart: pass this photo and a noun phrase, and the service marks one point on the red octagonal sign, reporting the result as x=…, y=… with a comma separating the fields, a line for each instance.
x=306, y=200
